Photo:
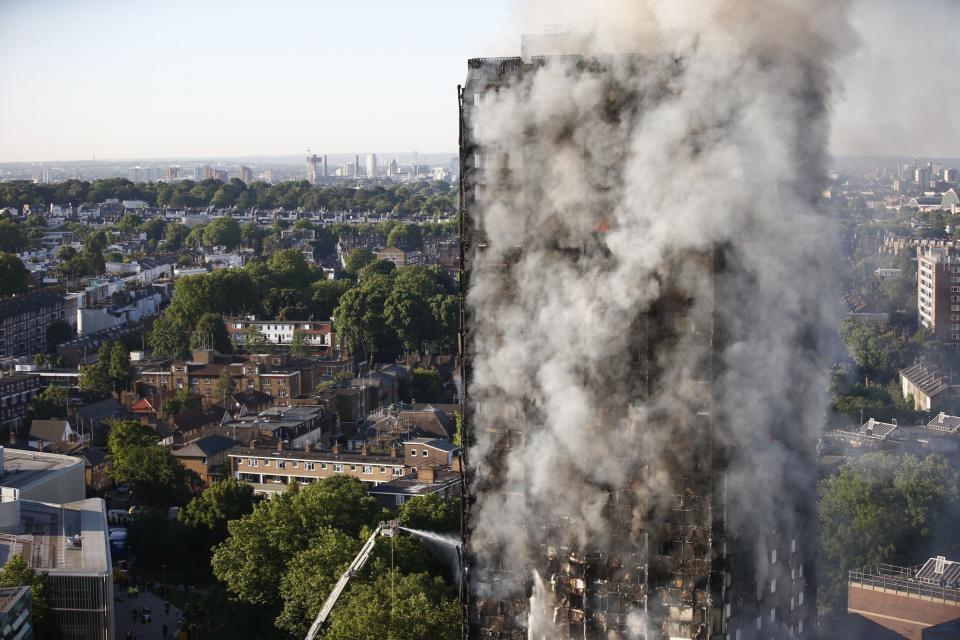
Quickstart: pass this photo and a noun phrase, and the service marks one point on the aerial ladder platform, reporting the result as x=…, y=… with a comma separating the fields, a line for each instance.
x=387, y=528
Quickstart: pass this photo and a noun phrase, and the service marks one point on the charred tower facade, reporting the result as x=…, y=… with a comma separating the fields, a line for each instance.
x=606, y=466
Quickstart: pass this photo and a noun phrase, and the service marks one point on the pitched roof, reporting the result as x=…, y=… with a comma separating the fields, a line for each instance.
x=875, y=429
x=943, y=422
x=195, y=418
x=434, y=443
x=927, y=378
x=92, y=456
x=99, y=409
x=48, y=430
x=434, y=423
x=205, y=447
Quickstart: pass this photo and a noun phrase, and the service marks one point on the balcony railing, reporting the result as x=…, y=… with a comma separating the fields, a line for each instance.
x=902, y=580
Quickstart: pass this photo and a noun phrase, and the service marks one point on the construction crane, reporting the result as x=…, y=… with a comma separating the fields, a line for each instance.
x=387, y=528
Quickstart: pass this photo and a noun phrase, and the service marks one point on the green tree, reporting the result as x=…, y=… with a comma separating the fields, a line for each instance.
x=406, y=236
x=256, y=342
x=12, y=237
x=885, y=509
x=155, y=476
x=324, y=295
x=179, y=402
x=361, y=324
x=225, y=500
x=49, y=404
x=225, y=386
x=119, y=366
x=211, y=333
x=58, y=332
x=299, y=347
x=310, y=577
x=95, y=378
x=431, y=513
x=382, y=267
x=17, y=573
x=13, y=275
x=252, y=560
x=223, y=231
x=357, y=260
x=423, y=385
x=129, y=222
x=422, y=607
x=167, y=338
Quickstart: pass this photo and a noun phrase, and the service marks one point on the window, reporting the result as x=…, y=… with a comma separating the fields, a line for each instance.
x=773, y=586
x=800, y=626
x=413, y=453
x=353, y=467
x=338, y=468
x=308, y=466
x=400, y=499
x=726, y=610
x=281, y=464
x=383, y=469
x=800, y=598
x=266, y=463
x=425, y=453
x=793, y=546
x=773, y=556
x=323, y=465
x=398, y=471
x=793, y=603
x=295, y=464
x=773, y=615
x=253, y=463
x=367, y=468
x=759, y=622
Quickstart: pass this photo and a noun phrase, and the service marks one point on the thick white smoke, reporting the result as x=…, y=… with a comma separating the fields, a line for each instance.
x=603, y=189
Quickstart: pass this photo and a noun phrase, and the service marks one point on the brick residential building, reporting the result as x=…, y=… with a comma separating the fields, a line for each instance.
x=24, y=320
x=271, y=375
x=272, y=471
x=16, y=391
x=938, y=294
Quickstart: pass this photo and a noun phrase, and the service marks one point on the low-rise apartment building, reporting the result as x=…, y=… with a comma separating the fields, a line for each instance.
x=272, y=471
x=24, y=320
x=318, y=337
x=16, y=391
x=270, y=375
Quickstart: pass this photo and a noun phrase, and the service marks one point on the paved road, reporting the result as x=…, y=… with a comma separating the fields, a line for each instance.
x=152, y=630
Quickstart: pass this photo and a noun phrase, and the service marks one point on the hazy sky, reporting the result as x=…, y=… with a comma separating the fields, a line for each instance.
x=139, y=79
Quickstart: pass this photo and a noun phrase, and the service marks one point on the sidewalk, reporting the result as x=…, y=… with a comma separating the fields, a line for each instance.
x=152, y=630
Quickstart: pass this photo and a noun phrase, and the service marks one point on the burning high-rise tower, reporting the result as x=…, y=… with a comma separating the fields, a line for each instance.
x=643, y=279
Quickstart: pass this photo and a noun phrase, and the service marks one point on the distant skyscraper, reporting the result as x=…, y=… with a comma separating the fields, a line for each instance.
x=349, y=170
x=171, y=173
x=371, y=165
x=394, y=168
x=356, y=165
x=245, y=174
x=950, y=175
x=268, y=175
x=313, y=166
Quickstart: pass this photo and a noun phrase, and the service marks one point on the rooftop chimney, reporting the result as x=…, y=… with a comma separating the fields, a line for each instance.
x=336, y=449
x=365, y=450
x=426, y=474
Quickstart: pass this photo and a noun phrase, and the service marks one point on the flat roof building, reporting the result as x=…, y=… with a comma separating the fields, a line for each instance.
x=69, y=543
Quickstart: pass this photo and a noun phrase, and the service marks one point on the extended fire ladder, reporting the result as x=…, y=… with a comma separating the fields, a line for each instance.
x=387, y=528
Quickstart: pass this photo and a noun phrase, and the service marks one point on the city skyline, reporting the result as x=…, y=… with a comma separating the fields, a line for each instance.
x=237, y=80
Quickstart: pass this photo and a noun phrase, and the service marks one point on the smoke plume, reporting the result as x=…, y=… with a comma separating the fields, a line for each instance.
x=605, y=188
